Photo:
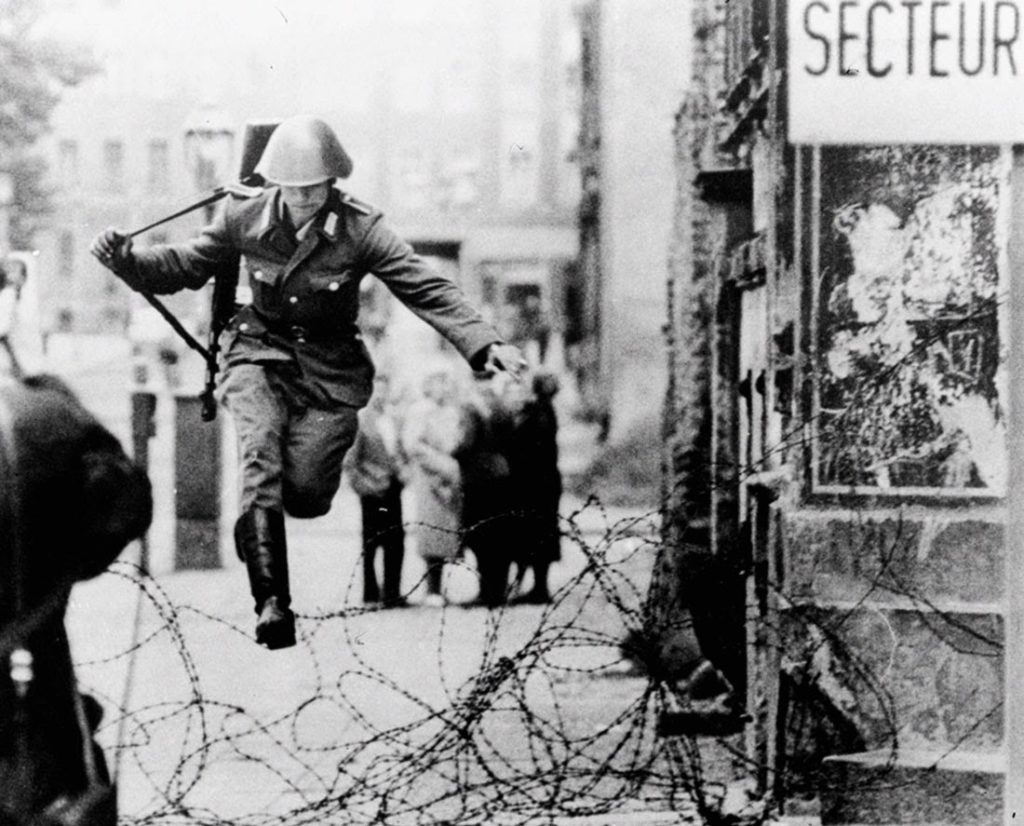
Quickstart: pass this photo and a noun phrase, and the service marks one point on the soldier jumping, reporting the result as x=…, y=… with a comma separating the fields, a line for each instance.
x=295, y=371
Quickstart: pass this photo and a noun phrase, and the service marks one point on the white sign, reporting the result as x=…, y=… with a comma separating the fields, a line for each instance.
x=906, y=71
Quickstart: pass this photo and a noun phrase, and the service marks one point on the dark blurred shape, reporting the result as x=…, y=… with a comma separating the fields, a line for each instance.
x=70, y=500
x=254, y=141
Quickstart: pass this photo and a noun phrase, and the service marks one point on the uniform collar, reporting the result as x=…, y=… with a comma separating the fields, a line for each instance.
x=327, y=221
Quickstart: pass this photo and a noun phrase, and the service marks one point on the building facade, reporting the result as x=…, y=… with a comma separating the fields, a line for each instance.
x=835, y=423
x=630, y=95
x=461, y=117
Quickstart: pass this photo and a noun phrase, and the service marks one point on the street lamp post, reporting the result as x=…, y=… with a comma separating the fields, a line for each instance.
x=6, y=200
x=209, y=148
x=209, y=145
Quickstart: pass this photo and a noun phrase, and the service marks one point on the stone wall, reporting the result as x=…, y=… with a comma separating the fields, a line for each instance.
x=894, y=614
x=875, y=598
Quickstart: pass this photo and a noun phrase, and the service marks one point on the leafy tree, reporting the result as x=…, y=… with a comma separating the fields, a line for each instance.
x=34, y=70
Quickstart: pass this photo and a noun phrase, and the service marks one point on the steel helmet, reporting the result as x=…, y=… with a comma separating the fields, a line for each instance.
x=303, y=151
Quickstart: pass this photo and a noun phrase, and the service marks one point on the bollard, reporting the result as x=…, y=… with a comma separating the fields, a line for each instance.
x=197, y=465
x=143, y=429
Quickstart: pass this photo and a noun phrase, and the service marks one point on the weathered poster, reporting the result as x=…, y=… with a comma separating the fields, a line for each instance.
x=910, y=361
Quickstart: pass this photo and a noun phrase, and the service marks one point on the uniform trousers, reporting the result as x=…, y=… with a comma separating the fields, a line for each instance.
x=290, y=448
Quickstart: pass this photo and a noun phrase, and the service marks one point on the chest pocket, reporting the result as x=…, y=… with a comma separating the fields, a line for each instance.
x=326, y=284
x=266, y=276
x=265, y=283
x=315, y=299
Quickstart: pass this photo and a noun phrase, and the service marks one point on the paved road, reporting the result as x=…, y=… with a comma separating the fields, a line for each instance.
x=420, y=715
x=409, y=705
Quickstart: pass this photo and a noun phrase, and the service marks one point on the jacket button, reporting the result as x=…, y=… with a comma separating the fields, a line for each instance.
x=333, y=286
x=243, y=326
x=294, y=299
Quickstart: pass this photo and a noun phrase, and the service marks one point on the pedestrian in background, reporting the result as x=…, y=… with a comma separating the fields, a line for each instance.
x=537, y=484
x=489, y=526
x=431, y=436
x=70, y=500
x=375, y=467
x=12, y=279
x=295, y=369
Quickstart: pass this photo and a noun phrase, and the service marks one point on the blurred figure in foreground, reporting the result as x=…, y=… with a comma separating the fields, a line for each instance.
x=21, y=334
x=55, y=460
x=537, y=484
x=375, y=468
x=430, y=438
x=12, y=279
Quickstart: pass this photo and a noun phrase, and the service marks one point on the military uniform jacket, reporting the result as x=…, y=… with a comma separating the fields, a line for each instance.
x=306, y=292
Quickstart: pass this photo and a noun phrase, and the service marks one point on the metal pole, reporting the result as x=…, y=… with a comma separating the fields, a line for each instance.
x=143, y=429
x=197, y=482
x=197, y=464
x=1013, y=646
x=6, y=201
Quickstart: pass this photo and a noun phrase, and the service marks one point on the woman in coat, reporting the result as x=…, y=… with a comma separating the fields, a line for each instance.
x=537, y=483
x=489, y=510
x=376, y=468
x=432, y=434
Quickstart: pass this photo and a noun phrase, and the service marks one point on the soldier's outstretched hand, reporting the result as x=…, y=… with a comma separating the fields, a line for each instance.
x=505, y=358
x=113, y=249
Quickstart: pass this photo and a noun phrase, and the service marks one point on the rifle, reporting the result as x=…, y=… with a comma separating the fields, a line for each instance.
x=225, y=283
x=221, y=312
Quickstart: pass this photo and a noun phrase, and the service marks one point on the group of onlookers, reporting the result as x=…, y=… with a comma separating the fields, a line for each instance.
x=480, y=464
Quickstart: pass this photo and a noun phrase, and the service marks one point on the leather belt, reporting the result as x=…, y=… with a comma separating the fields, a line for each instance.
x=301, y=334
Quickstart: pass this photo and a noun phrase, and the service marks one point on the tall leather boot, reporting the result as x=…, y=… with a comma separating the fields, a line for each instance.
x=260, y=541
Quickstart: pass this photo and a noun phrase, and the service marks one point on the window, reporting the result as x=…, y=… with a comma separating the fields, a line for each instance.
x=113, y=165
x=113, y=318
x=459, y=88
x=521, y=86
x=459, y=178
x=158, y=177
x=413, y=178
x=66, y=253
x=414, y=83
x=67, y=163
x=519, y=167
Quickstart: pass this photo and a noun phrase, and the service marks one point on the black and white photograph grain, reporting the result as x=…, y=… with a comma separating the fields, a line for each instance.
x=511, y=412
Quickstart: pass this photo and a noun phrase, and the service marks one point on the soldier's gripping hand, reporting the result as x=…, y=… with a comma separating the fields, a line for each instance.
x=113, y=249
x=505, y=358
